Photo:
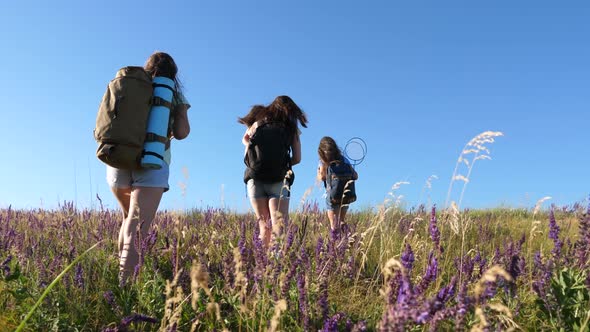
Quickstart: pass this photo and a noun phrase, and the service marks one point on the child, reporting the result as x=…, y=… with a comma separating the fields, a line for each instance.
x=339, y=183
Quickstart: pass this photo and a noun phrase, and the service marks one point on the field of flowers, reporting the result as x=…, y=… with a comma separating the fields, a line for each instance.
x=389, y=269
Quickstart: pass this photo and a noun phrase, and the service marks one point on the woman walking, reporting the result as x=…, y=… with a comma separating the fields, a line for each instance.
x=272, y=147
x=139, y=191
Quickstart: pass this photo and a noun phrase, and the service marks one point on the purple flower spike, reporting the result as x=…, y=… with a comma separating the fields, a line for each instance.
x=429, y=276
x=331, y=325
x=302, y=287
x=110, y=298
x=554, y=235
x=135, y=318
x=5, y=266
x=434, y=231
x=359, y=327
x=408, y=257
x=553, y=227
x=582, y=246
x=78, y=278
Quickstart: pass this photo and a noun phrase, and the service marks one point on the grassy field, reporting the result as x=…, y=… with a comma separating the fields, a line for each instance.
x=389, y=269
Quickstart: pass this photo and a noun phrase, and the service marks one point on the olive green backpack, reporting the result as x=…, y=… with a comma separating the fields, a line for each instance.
x=122, y=118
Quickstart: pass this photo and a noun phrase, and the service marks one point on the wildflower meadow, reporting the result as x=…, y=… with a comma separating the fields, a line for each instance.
x=389, y=268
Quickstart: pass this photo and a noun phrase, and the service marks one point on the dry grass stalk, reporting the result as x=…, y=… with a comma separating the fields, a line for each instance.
x=476, y=150
x=280, y=307
x=307, y=192
x=539, y=204
x=241, y=282
x=427, y=188
x=504, y=313
x=388, y=271
x=173, y=304
x=490, y=275
x=377, y=225
x=200, y=280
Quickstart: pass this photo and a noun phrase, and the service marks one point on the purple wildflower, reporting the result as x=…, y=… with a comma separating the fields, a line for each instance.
x=349, y=268
x=447, y=292
x=464, y=302
x=359, y=327
x=541, y=283
x=323, y=297
x=331, y=325
x=302, y=287
x=434, y=231
x=135, y=318
x=174, y=257
x=582, y=246
x=228, y=269
x=554, y=235
x=110, y=298
x=290, y=237
x=408, y=257
x=553, y=227
x=5, y=266
x=429, y=275
x=242, y=240
x=259, y=257
x=481, y=263
x=78, y=276
x=496, y=258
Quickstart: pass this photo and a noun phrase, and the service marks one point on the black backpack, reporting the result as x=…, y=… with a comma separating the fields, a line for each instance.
x=268, y=156
x=339, y=183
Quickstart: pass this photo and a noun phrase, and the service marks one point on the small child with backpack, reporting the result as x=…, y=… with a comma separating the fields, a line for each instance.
x=338, y=176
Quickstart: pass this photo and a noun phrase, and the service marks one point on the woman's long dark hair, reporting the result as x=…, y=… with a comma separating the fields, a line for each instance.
x=162, y=64
x=328, y=150
x=283, y=109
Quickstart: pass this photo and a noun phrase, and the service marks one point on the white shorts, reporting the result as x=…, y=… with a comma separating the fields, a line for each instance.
x=155, y=178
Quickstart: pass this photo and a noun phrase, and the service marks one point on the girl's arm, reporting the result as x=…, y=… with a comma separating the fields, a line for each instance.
x=248, y=134
x=296, y=150
x=246, y=138
x=181, y=127
x=355, y=175
x=321, y=172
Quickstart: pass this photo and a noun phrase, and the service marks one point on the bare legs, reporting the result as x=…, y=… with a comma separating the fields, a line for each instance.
x=139, y=206
x=123, y=196
x=336, y=217
x=266, y=210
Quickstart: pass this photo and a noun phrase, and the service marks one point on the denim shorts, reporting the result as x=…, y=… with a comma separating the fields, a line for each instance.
x=155, y=178
x=335, y=207
x=257, y=189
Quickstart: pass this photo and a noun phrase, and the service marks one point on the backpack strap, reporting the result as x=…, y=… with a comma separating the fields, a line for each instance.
x=157, y=85
x=151, y=137
x=150, y=153
x=159, y=101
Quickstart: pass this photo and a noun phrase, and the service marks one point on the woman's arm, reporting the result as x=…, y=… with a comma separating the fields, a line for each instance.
x=181, y=127
x=295, y=150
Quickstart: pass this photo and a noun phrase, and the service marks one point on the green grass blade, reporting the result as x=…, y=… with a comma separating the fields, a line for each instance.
x=53, y=283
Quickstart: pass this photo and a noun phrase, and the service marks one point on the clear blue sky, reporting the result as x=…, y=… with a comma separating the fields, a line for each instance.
x=416, y=80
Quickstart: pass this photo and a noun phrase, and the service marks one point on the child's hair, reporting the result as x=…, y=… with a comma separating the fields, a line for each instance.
x=162, y=64
x=328, y=150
